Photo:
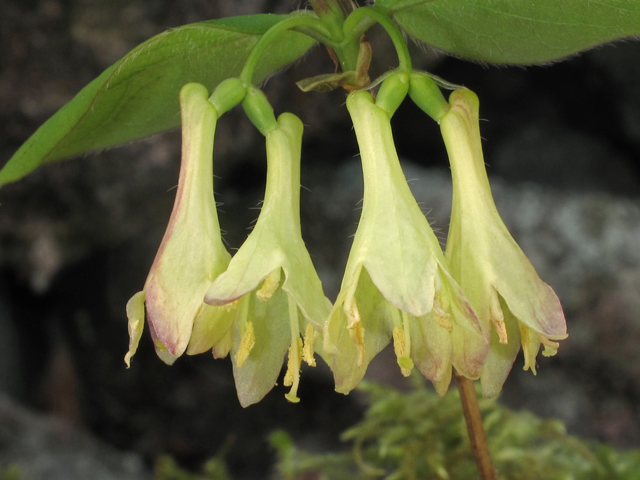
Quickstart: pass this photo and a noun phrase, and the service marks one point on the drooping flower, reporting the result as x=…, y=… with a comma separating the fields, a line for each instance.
x=274, y=263
x=511, y=301
x=191, y=254
x=395, y=283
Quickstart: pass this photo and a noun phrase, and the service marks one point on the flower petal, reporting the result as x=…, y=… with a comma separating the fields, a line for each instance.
x=260, y=370
x=135, y=315
x=349, y=346
x=191, y=254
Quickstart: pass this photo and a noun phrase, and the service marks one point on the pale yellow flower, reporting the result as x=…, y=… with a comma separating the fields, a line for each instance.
x=513, y=305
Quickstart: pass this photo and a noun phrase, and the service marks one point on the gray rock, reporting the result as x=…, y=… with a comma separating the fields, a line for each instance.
x=46, y=448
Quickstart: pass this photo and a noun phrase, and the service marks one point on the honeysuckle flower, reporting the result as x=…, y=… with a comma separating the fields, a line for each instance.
x=511, y=301
x=396, y=284
x=191, y=254
x=274, y=263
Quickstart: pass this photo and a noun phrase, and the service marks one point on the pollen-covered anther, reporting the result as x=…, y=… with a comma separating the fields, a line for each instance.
x=293, y=363
x=269, y=286
x=310, y=336
x=398, y=341
x=246, y=344
x=440, y=316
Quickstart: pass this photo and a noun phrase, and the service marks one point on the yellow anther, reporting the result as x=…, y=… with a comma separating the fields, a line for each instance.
x=246, y=344
x=293, y=363
x=398, y=341
x=310, y=336
x=269, y=286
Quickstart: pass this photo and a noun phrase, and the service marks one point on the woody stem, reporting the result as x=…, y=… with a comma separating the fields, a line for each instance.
x=475, y=429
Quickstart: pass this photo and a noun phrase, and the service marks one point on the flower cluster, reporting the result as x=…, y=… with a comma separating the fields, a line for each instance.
x=467, y=309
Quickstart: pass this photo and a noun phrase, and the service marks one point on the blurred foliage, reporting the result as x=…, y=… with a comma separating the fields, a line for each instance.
x=213, y=469
x=11, y=472
x=421, y=436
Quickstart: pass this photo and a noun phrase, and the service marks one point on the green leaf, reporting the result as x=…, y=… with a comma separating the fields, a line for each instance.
x=138, y=95
x=393, y=6
x=516, y=31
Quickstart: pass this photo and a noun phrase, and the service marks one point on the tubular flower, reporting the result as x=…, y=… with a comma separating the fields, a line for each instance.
x=191, y=254
x=395, y=283
x=513, y=305
x=274, y=263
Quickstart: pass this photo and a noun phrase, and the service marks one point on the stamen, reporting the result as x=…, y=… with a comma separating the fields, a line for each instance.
x=293, y=365
x=356, y=330
x=401, y=351
x=246, y=344
x=398, y=342
x=310, y=337
x=292, y=375
x=440, y=316
x=529, y=359
x=269, y=286
x=352, y=312
x=497, y=317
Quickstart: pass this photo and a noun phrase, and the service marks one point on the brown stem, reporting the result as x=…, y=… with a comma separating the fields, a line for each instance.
x=477, y=436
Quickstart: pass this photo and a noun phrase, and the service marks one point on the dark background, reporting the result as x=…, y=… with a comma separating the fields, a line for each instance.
x=77, y=238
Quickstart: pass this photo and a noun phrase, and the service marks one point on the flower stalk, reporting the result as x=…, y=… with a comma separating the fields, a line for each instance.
x=475, y=429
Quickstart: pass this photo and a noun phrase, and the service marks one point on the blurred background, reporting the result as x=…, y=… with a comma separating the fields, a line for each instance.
x=77, y=238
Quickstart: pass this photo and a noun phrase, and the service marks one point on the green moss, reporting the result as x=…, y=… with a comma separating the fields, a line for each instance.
x=420, y=436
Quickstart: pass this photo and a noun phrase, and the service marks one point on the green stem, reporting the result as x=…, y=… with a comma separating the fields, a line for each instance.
x=331, y=14
x=364, y=18
x=302, y=20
